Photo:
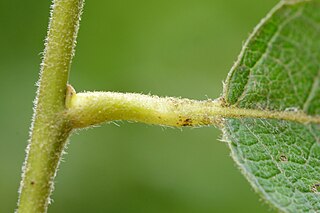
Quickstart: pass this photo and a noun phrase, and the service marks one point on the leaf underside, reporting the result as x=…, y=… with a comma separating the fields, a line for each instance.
x=279, y=70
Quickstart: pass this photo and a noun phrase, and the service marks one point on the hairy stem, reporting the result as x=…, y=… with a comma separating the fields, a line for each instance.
x=50, y=128
x=85, y=109
x=90, y=108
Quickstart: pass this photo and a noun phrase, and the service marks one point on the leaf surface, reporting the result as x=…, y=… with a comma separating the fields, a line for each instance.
x=279, y=70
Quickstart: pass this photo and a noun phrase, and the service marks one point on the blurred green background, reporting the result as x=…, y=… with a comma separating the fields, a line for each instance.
x=169, y=48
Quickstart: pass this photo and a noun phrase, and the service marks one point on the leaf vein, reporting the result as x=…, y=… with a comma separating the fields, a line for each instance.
x=267, y=51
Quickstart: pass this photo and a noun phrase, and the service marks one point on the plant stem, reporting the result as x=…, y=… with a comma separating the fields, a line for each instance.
x=90, y=108
x=50, y=128
x=85, y=109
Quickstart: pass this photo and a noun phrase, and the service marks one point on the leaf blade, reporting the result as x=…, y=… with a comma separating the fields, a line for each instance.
x=285, y=34
x=279, y=70
x=284, y=174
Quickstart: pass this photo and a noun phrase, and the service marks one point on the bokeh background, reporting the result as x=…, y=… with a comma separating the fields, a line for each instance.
x=168, y=48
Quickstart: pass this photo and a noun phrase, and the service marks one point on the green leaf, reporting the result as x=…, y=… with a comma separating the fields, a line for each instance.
x=279, y=70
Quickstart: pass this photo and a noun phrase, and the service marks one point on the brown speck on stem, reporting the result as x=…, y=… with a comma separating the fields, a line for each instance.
x=222, y=102
x=187, y=122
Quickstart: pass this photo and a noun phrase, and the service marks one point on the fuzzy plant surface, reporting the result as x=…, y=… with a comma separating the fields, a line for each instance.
x=268, y=112
x=279, y=70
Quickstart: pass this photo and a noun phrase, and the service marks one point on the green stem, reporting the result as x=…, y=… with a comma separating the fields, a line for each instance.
x=86, y=109
x=90, y=108
x=50, y=128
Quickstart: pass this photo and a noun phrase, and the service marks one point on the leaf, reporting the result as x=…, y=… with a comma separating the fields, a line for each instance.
x=279, y=70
